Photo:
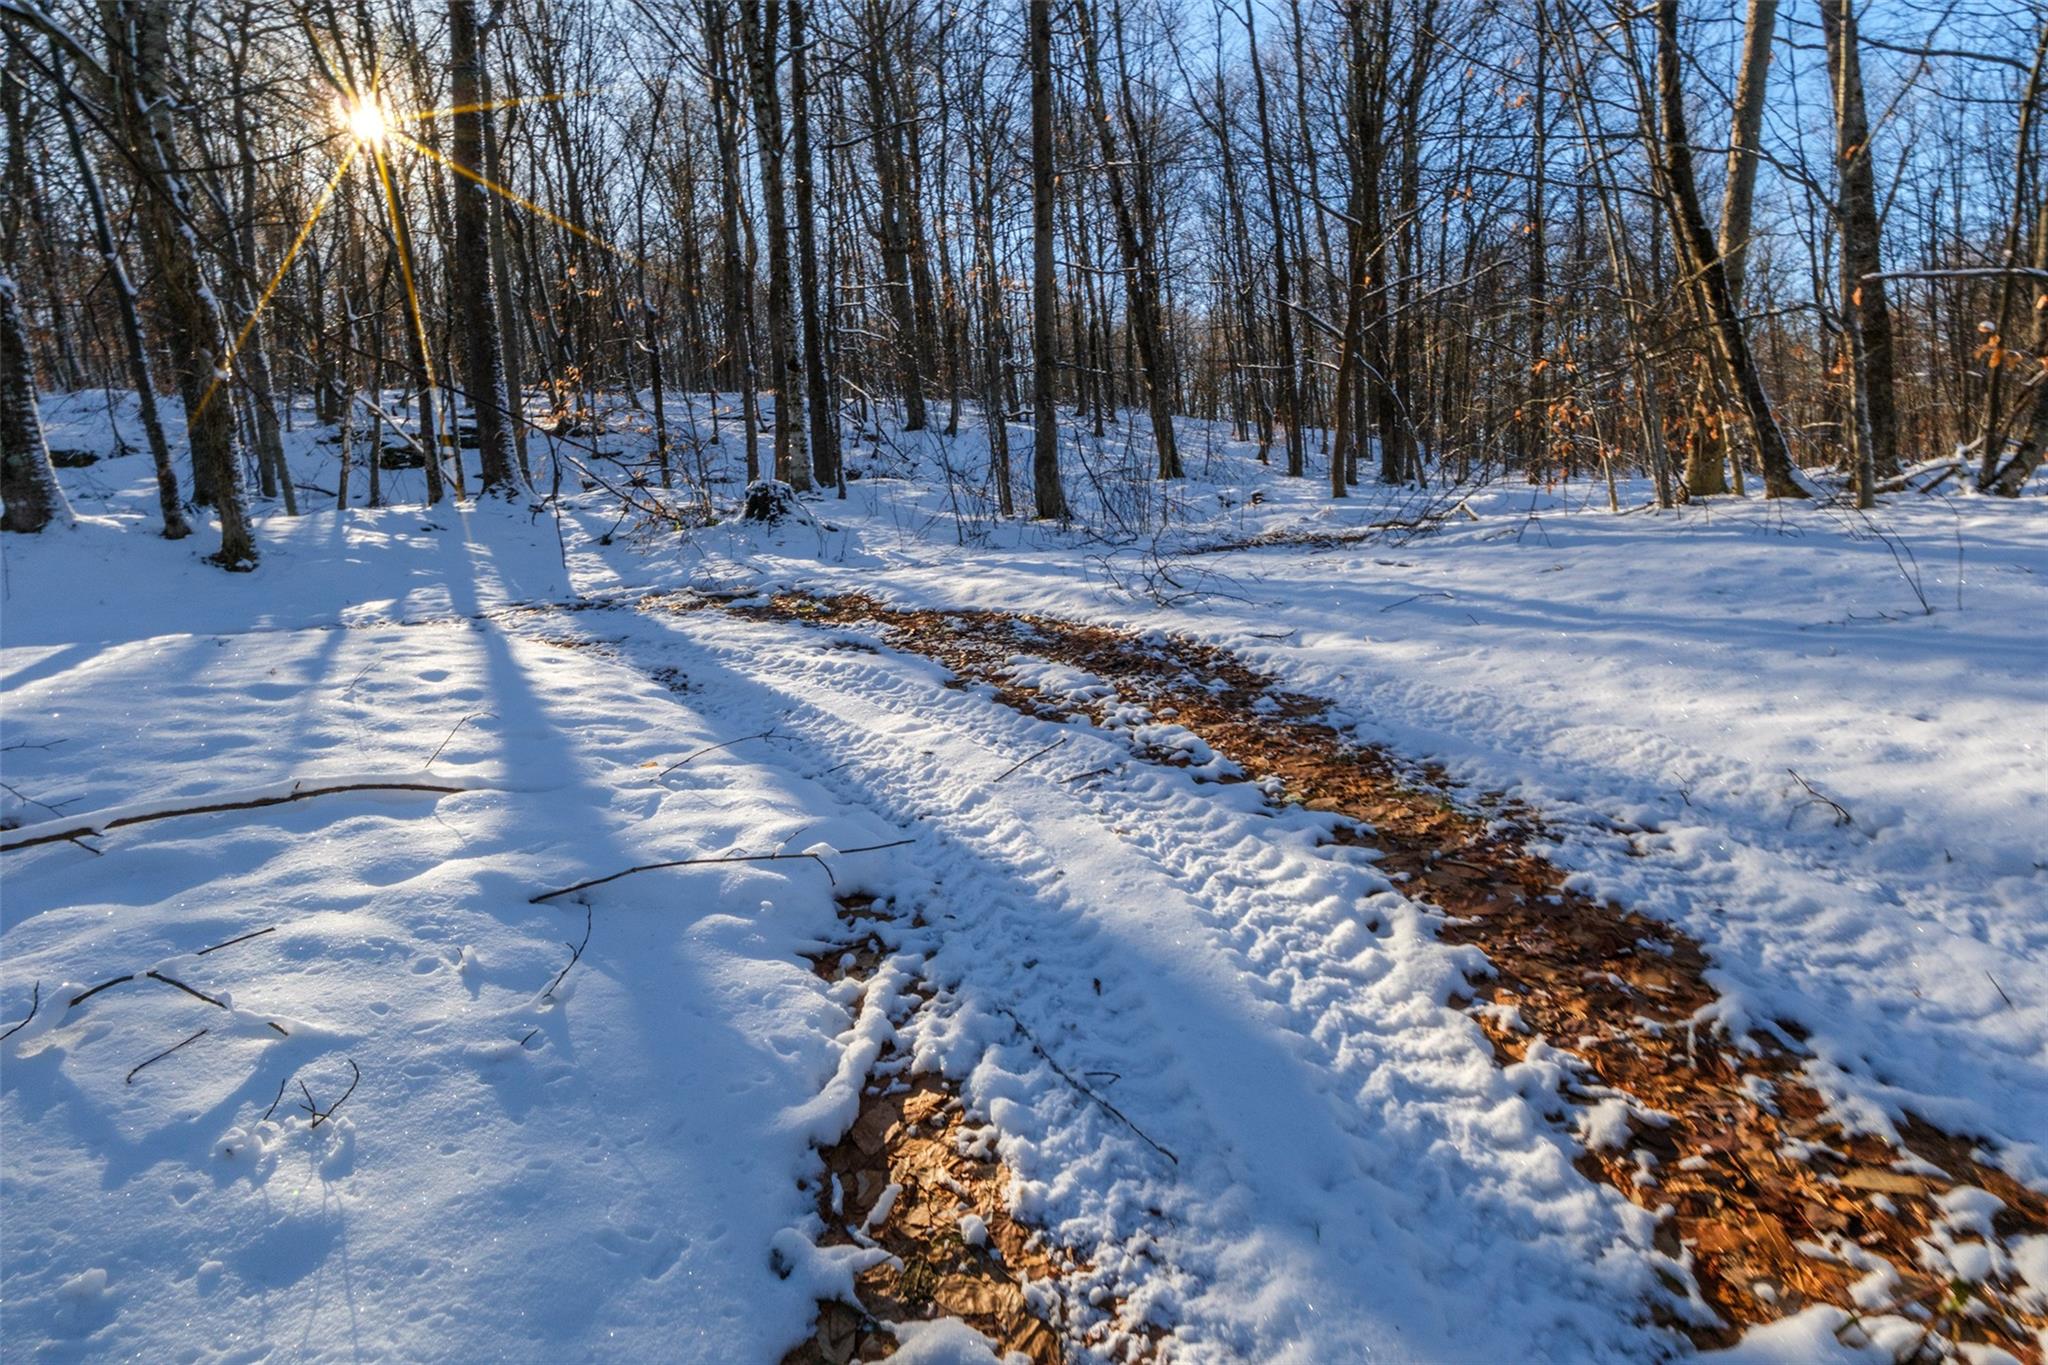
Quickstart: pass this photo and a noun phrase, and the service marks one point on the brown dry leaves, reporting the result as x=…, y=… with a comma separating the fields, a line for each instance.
x=1778, y=1206
x=913, y=1137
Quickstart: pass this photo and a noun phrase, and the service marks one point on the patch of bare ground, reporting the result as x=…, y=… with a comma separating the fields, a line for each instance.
x=915, y=1178
x=1769, y=1201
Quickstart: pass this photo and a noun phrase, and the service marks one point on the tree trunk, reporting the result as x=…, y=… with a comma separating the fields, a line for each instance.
x=253, y=352
x=892, y=191
x=501, y=285
x=399, y=237
x=739, y=280
x=1130, y=205
x=138, y=49
x=1708, y=455
x=1049, y=500
x=1872, y=376
x=2033, y=440
x=2009, y=479
x=483, y=350
x=1244, y=289
x=1701, y=259
x=1535, y=423
x=135, y=343
x=821, y=406
x=1288, y=389
x=759, y=28
x=28, y=484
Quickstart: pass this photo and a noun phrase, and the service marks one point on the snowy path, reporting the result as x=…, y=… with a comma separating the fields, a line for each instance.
x=1671, y=672
x=1346, y=1142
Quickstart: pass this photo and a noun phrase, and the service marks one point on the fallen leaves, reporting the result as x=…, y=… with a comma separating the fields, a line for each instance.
x=903, y=1177
x=1770, y=1201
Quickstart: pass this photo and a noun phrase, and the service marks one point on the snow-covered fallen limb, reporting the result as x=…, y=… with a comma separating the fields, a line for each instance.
x=246, y=798
x=1903, y=481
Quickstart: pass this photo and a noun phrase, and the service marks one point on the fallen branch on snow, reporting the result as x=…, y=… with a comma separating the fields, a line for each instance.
x=722, y=858
x=1903, y=481
x=35, y=1003
x=239, y=938
x=165, y=1053
x=1029, y=757
x=150, y=975
x=1416, y=598
x=1066, y=1076
x=712, y=749
x=276, y=794
x=1842, y=817
x=575, y=955
x=451, y=735
x=321, y=1116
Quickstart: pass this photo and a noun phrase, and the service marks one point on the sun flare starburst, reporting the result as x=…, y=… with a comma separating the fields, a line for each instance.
x=365, y=119
x=376, y=133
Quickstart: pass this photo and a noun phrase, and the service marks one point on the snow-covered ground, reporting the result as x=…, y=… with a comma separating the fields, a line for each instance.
x=614, y=1167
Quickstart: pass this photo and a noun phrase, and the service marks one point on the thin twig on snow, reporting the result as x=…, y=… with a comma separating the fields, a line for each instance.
x=165, y=1053
x=575, y=954
x=1068, y=1077
x=35, y=1002
x=1030, y=758
x=723, y=858
x=713, y=748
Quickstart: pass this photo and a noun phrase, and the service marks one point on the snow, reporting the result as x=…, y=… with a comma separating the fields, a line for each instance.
x=1317, y=1157
x=946, y=1342
x=658, y=1118
x=1653, y=682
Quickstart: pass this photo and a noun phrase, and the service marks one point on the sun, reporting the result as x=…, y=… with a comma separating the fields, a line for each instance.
x=365, y=120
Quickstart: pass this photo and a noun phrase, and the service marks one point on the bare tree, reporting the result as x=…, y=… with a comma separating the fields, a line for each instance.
x=1049, y=500
x=1130, y=198
x=1866, y=316
x=136, y=346
x=1711, y=452
x=483, y=352
x=1702, y=261
x=137, y=34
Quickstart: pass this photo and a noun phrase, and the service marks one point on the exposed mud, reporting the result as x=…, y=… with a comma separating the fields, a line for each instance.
x=1766, y=1199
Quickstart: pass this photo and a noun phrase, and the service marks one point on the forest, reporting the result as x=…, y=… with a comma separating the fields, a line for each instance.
x=1451, y=241
x=1086, y=680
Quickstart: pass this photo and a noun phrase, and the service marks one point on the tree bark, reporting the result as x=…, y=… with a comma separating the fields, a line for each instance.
x=1288, y=389
x=760, y=26
x=1708, y=455
x=28, y=484
x=1701, y=259
x=1130, y=205
x=739, y=279
x=501, y=285
x=138, y=49
x=893, y=219
x=1993, y=474
x=483, y=350
x=133, y=339
x=822, y=408
x=1049, y=500
x=1874, y=387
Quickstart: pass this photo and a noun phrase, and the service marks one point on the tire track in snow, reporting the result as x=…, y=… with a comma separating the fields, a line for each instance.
x=1741, y=1161
x=1350, y=1146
